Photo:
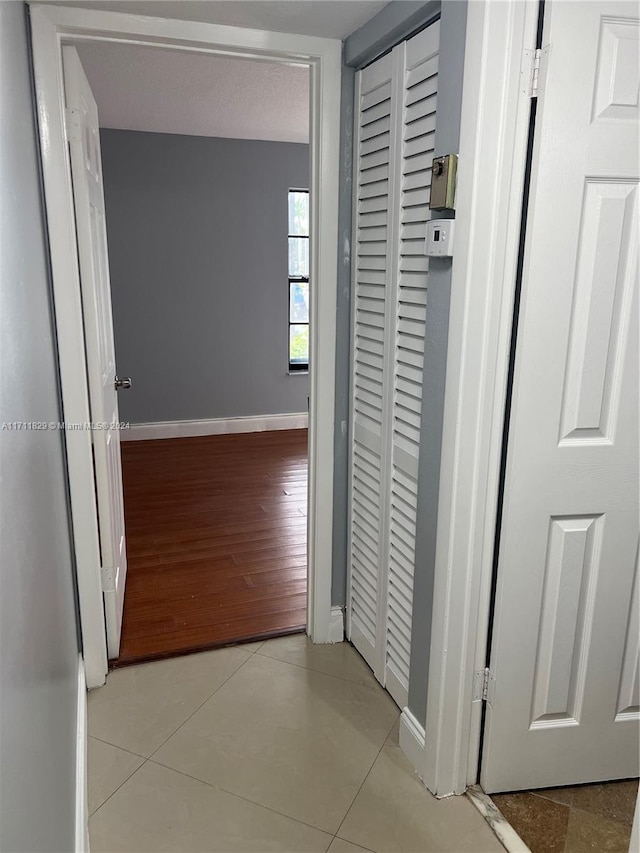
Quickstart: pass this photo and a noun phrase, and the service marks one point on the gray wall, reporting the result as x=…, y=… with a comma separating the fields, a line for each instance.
x=38, y=640
x=197, y=231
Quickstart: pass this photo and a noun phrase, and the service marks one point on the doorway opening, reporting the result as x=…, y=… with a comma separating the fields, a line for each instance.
x=55, y=30
x=208, y=253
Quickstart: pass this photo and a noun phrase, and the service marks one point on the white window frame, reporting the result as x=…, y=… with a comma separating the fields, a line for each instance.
x=303, y=367
x=53, y=26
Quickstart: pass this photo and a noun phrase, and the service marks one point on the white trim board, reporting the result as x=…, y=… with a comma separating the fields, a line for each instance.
x=53, y=26
x=412, y=739
x=213, y=426
x=82, y=806
x=494, y=127
x=336, y=633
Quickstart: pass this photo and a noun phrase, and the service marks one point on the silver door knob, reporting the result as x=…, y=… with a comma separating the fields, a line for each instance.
x=123, y=383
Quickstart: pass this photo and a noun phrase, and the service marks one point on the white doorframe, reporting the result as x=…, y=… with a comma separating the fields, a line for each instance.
x=51, y=27
x=492, y=159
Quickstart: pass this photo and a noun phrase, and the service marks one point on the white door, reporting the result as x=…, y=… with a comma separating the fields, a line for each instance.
x=86, y=165
x=564, y=685
x=395, y=130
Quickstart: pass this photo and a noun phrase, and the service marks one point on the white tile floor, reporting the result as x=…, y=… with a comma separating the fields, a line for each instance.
x=282, y=746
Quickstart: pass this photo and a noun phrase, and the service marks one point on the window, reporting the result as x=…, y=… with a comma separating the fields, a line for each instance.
x=298, y=280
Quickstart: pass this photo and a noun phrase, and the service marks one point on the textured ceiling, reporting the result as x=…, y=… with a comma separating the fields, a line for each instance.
x=328, y=18
x=166, y=91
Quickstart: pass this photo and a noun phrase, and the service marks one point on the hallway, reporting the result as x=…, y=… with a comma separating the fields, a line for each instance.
x=279, y=746
x=216, y=541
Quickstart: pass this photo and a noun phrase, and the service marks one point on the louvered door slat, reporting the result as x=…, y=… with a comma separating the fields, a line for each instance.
x=374, y=175
x=418, y=163
x=422, y=90
x=375, y=128
x=420, y=108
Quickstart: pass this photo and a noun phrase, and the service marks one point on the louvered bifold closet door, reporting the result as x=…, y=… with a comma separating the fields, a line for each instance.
x=367, y=545
x=418, y=64
x=394, y=129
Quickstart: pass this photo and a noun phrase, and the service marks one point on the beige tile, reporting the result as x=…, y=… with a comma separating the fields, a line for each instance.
x=140, y=706
x=394, y=812
x=109, y=766
x=591, y=833
x=339, y=845
x=161, y=811
x=294, y=740
x=339, y=659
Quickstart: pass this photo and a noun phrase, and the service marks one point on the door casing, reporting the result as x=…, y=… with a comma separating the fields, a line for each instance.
x=53, y=26
x=499, y=49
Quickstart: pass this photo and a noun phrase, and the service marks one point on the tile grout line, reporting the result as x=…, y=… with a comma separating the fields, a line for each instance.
x=220, y=686
x=186, y=720
x=365, y=779
x=211, y=695
x=353, y=844
x=374, y=686
x=95, y=811
x=116, y=746
x=247, y=799
x=240, y=797
x=150, y=758
x=261, y=805
x=146, y=759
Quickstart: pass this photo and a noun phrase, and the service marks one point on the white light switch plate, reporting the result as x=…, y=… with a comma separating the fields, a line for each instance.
x=439, y=242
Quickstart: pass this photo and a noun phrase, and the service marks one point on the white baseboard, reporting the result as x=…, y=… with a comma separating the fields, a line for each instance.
x=412, y=741
x=82, y=807
x=336, y=626
x=398, y=691
x=214, y=426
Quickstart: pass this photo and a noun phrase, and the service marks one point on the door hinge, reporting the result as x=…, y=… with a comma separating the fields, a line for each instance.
x=535, y=73
x=107, y=577
x=481, y=680
x=532, y=70
x=72, y=124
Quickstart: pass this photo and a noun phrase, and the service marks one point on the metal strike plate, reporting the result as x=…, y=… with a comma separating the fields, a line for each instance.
x=443, y=182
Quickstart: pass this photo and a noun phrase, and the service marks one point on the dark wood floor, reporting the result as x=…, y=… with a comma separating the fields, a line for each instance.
x=216, y=541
